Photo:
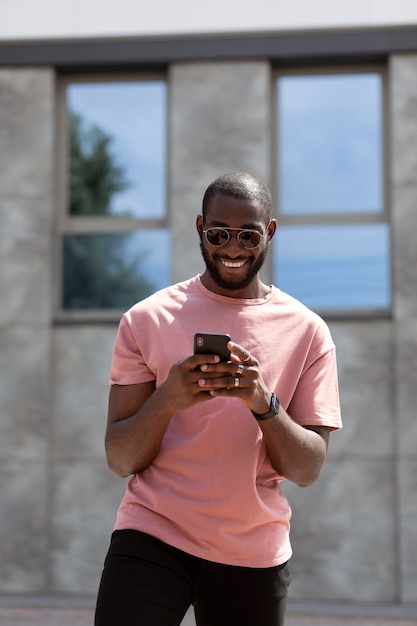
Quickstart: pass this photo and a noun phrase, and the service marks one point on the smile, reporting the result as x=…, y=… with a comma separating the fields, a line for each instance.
x=233, y=263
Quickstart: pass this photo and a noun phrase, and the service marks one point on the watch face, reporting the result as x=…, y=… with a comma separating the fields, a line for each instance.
x=275, y=404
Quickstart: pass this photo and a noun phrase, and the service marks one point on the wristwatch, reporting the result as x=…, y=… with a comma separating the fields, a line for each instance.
x=273, y=410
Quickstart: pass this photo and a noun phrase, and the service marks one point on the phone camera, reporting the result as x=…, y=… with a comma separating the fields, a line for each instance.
x=200, y=342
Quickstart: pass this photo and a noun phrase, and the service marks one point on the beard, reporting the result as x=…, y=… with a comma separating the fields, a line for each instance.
x=233, y=285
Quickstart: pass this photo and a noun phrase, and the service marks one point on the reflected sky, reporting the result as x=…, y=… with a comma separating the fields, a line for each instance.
x=155, y=254
x=330, y=143
x=335, y=266
x=134, y=115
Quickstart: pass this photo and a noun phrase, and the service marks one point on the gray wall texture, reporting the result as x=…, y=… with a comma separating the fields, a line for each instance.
x=354, y=531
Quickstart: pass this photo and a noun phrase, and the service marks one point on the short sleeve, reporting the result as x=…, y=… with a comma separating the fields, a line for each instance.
x=128, y=366
x=316, y=399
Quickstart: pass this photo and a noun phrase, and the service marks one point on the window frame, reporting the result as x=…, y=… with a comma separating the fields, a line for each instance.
x=337, y=219
x=93, y=225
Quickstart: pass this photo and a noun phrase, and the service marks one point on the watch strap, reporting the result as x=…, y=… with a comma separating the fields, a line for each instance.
x=273, y=410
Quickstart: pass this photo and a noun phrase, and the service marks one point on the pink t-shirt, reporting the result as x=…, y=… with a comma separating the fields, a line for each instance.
x=212, y=491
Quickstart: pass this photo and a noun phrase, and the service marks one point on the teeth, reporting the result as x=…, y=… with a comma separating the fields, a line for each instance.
x=233, y=263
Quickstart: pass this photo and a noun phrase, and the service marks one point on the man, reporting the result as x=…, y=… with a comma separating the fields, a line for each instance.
x=203, y=520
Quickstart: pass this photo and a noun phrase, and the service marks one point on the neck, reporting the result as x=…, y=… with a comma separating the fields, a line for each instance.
x=255, y=290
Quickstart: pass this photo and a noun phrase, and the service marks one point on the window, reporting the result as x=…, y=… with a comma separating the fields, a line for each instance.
x=332, y=248
x=115, y=243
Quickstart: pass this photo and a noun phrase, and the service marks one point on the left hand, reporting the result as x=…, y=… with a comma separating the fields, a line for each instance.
x=240, y=378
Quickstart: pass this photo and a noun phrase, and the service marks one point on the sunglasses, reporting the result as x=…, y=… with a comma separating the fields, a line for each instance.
x=246, y=237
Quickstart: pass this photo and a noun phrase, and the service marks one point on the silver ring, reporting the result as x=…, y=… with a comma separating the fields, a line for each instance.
x=237, y=381
x=248, y=357
x=240, y=369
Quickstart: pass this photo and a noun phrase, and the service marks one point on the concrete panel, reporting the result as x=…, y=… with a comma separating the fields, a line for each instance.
x=365, y=369
x=404, y=235
x=86, y=497
x=344, y=534
x=26, y=193
x=403, y=122
x=82, y=356
x=219, y=121
x=408, y=528
x=403, y=165
x=24, y=392
x=406, y=380
x=23, y=527
x=26, y=254
x=26, y=137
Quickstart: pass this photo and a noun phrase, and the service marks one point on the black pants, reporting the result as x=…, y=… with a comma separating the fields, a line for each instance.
x=146, y=582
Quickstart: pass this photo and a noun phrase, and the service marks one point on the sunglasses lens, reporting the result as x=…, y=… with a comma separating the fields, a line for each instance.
x=217, y=236
x=249, y=238
x=220, y=236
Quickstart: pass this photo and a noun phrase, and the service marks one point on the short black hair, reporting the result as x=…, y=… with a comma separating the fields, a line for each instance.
x=240, y=185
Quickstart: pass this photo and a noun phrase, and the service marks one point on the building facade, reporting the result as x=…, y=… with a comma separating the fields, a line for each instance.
x=354, y=531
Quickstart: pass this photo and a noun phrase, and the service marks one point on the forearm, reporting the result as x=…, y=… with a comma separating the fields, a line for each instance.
x=296, y=452
x=132, y=443
x=139, y=414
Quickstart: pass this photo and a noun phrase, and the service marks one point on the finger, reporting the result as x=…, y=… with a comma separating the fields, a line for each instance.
x=233, y=368
x=197, y=360
x=240, y=369
x=229, y=382
x=243, y=354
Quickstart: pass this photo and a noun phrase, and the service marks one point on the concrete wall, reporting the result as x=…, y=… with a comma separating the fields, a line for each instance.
x=26, y=209
x=355, y=531
x=403, y=102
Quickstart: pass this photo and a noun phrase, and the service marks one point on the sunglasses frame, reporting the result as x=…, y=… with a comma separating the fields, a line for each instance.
x=241, y=230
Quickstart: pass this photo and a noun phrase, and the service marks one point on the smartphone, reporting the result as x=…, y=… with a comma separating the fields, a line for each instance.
x=212, y=343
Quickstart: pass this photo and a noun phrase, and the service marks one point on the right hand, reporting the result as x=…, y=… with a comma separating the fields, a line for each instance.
x=181, y=389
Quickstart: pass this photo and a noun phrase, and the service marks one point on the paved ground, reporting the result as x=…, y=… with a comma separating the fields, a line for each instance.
x=23, y=611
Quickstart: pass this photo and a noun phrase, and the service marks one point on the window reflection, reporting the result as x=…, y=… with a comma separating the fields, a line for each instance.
x=331, y=267
x=113, y=271
x=330, y=143
x=118, y=136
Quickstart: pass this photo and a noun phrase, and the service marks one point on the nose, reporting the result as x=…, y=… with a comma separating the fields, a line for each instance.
x=233, y=246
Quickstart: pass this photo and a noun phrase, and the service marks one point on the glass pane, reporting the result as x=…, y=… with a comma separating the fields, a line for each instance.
x=117, y=148
x=114, y=271
x=335, y=267
x=330, y=144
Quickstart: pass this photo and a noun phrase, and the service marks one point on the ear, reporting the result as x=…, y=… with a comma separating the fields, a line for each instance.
x=272, y=226
x=199, y=225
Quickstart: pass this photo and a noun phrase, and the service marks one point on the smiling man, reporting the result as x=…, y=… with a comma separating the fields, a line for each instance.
x=208, y=442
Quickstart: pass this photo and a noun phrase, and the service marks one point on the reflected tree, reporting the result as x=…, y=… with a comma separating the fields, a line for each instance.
x=94, y=176
x=98, y=273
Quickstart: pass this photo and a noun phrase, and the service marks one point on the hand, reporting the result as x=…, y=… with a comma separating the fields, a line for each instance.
x=241, y=378
x=181, y=388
